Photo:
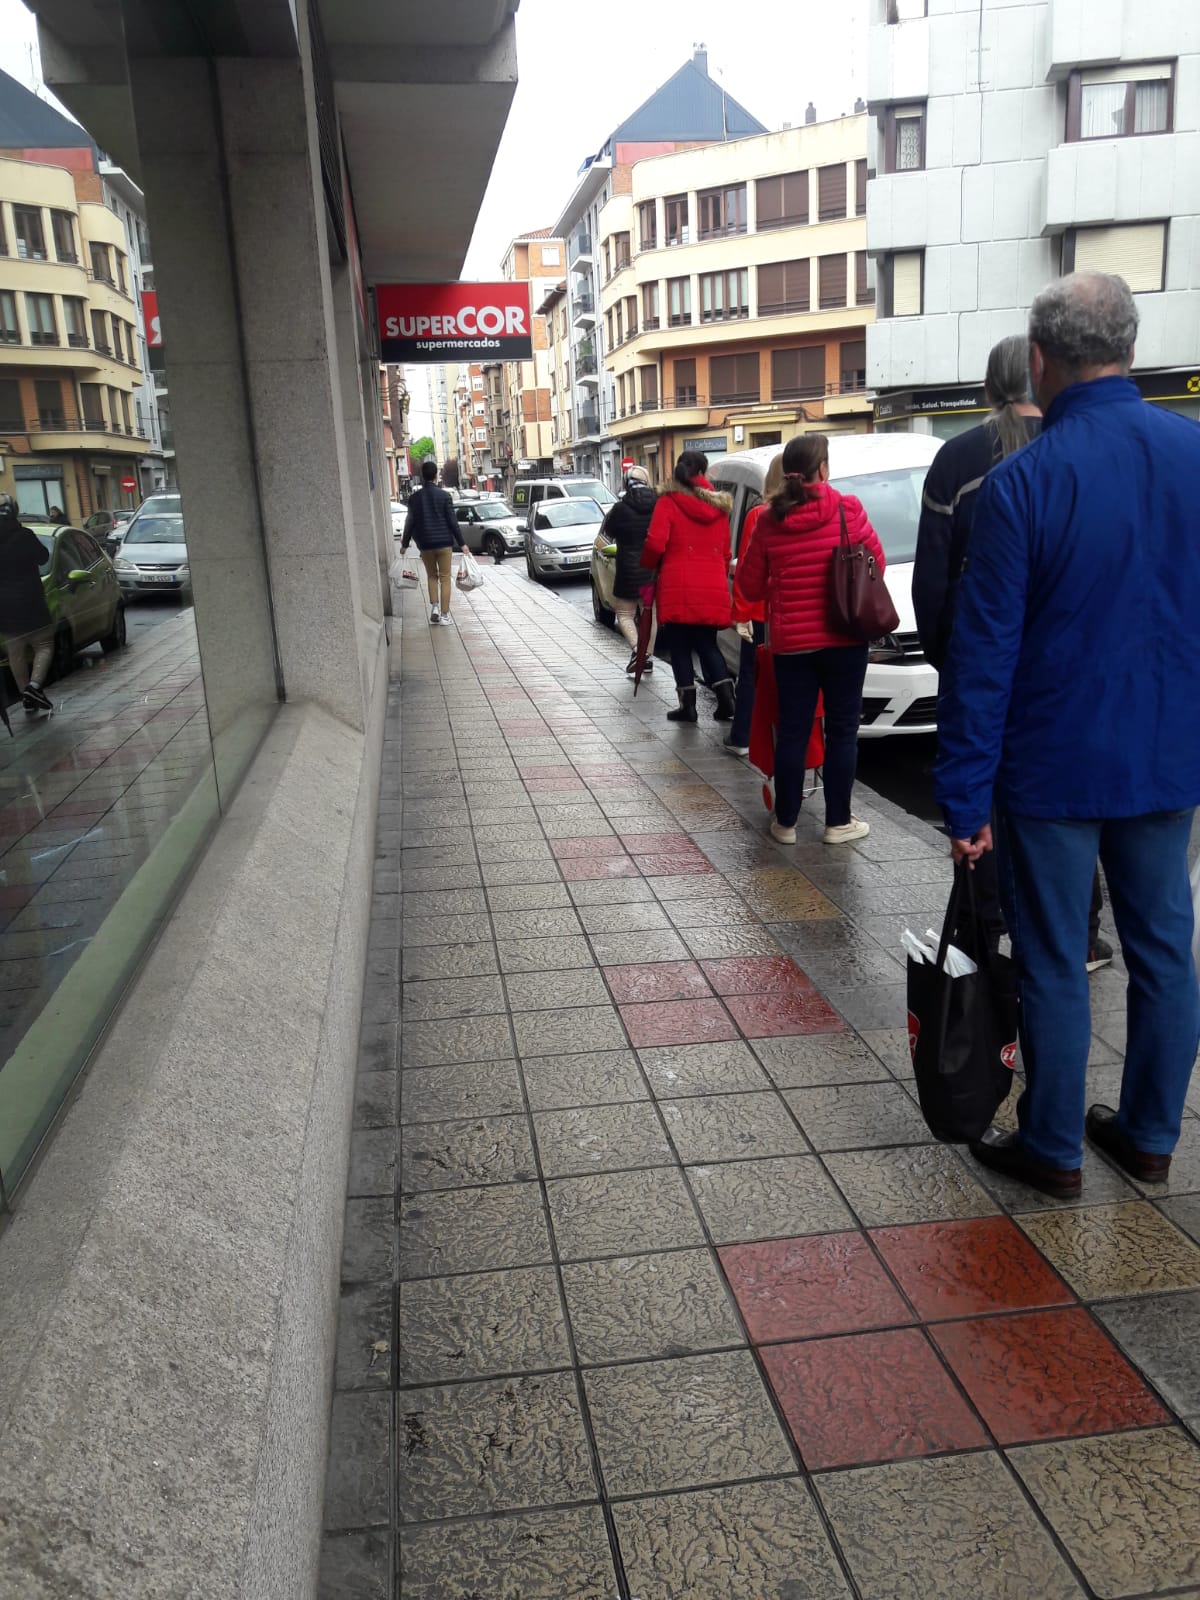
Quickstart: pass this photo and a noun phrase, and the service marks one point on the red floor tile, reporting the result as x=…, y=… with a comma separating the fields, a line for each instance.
x=677, y=1022
x=659, y=980
x=755, y=975
x=682, y=862
x=1047, y=1375
x=591, y=844
x=869, y=1397
x=581, y=868
x=803, y=1288
x=766, y=1016
x=654, y=844
x=964, y=1269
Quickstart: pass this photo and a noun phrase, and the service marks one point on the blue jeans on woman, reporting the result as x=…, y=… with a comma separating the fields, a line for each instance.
x=837, y=673
x=743, y=706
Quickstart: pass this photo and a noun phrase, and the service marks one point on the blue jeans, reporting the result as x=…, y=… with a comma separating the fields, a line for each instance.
x=1046, y=875
x=838, y=674
x=743, y=705
x=684, y=638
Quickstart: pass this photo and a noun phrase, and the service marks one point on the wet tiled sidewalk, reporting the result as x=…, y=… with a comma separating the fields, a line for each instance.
x=654, y=1284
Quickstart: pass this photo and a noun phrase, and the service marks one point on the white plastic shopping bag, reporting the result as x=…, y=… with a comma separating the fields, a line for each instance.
x=469, y=575
x=404, y=570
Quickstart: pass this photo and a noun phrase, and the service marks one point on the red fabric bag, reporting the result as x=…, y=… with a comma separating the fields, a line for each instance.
x=765, y=723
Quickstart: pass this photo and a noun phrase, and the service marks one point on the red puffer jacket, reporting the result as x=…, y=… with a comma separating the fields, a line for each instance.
x=689, y=543
x=788, y=564
x=747, y=610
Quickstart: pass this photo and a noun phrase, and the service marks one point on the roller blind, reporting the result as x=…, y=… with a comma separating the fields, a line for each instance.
x=906, y=284
x=1136, y=253
x=831, y=192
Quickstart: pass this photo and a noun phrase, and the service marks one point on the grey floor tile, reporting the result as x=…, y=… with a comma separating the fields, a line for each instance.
x=678, y=1071
x=453, y=1155
x=358, y=1486
x=430, y=1001
x=435, y=1044
x=713, y=943
x=470, y=1089
x=355, y=1566
x=617, y=1213
x=597, y=1077
x=1159, y=1334
x=535, y=924
x=364, y=1336
x=643, y=1306
x=546, y=1555
x=880, y=1005
x=858, y=1116
x=368, y=1241
x=1102, y=1184
x=373, y=1156
x=426, y=930
x=777, y=1197
x=908, y=1184
x=639, y=917
x=711, y=911
x=481, y=1325
x=600, y=1139
x=806, y=1061
x=441, y=961
x=570, y=1031
x=621, y=949
x=1185, y=1213
x=376, y=1099
x=553, y=991
x=728, y=1127
x=442, y=903
x=529, y=897
x=496, y=873
x=471, y=1230
x=546, y=955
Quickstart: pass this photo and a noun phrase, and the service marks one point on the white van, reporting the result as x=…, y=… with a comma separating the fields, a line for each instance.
x=886, y=471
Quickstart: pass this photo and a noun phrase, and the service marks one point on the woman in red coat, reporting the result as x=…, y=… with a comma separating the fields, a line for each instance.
x=788, y=565
x=689, y=542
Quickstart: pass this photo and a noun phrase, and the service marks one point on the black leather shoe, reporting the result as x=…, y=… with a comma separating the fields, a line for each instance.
x=1004, y=1153
x=1102, y=1130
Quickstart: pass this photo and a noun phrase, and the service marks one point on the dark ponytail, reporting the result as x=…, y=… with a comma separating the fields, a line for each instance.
x=691, y=465
x=803, y=458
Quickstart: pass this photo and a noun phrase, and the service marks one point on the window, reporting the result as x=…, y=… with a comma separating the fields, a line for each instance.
x=3, y=234
x=685, y=383
x=11, y=419
x=101, y=269
x=118, y=338
x=122, y=274
x=1118, y=102
x=114, y=409
x=679, y=301
x=619, y=321
x=783, y=286
x=631, y=326
x=907, y=10
x=831, y=192
x=649, y=382
x=860, y=188
x=797, y=373
x=477, y=384
x=854, y=364
x=904, y=139
x=480, y=408
x=833, y=281
x=734, y=380
x=43, y=329
x=725, y=296
x=906, y=284
x=621, y=254
x=74, y=314
x=551, y=255
x=650, y=317
x=63, y=224
x=31, y=241
x=100, y=332
x=676, y=209
x=782, y=201
x=1138, y=253
x=648, y=225
x=722, y=211
x=48, y=398
x=93, y=406
x=864, y=289
x=10, y=330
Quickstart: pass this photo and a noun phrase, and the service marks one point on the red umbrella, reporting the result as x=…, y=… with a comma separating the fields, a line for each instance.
x=644, y=627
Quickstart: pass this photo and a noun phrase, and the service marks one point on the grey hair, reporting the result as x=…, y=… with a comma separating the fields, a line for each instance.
x=1087, y=319
x=1007, y=385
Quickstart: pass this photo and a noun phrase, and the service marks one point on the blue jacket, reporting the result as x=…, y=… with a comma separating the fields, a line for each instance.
x=1072, y=683
x=431, y=521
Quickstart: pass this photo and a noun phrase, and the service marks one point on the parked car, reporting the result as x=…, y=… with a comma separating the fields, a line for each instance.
x=559, y=538
x=492, y=527
x=153, y=558
x=81, y=591
x=399, y=512
x=532, y=491
x=103, y=525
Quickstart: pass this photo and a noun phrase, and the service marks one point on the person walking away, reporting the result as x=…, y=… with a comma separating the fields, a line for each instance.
x=788, y=564
x=1069, y=704
x=689, y=543
x=626, y=526
x=25, y=620
x=750, y=618
x=432, y=523
x=947, y=511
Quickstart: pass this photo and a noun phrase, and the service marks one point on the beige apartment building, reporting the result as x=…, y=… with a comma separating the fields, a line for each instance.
x=556, y=309
x=540, y=260
x=736, y=293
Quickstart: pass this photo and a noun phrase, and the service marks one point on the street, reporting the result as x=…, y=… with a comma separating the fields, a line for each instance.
x=141, y=620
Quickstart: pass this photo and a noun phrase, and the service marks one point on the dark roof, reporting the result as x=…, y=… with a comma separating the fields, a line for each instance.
x=27, y=123
x=687, y=106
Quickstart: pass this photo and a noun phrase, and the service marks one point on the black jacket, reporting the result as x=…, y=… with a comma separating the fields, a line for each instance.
x=626, y=526
x=947, y=512
x=23, y=607
x=431, y=521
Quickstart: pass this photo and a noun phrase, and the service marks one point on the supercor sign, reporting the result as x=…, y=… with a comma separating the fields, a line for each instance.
x=454, y=321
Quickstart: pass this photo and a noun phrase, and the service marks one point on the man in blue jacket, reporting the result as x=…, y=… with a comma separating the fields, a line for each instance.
x=432, y=523
x=1070, y=698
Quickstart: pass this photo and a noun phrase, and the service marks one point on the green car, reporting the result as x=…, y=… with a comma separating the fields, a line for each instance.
x=82, y=593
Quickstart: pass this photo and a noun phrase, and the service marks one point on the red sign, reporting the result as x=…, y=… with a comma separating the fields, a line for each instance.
x=129, y=485
x=626, y=463
x=150, y=323
x=454, y=321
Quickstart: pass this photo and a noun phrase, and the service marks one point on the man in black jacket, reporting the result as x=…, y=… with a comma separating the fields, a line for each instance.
x=25, y=621
x=626, y=526
x=432, y=523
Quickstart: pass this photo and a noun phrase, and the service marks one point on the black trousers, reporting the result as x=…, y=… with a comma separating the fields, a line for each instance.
x=685, y=639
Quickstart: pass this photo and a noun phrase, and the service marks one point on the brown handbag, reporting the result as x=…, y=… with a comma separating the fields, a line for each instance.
x=859, y=603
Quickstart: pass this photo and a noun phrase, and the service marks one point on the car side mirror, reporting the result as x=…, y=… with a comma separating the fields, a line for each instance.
x=78, y=576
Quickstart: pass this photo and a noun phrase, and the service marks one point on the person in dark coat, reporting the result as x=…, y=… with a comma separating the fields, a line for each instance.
x=432, y=523
x=25, y=620
x=626, y=526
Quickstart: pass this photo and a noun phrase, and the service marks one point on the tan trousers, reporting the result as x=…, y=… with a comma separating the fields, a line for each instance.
x=29, y=657
x=438, y=567
x=627, y=611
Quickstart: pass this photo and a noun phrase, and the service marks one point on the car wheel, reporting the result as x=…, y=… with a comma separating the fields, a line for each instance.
x=494, y=546
x=117, y=639
x=533, y=572
x=600, y=612
x=64, y=653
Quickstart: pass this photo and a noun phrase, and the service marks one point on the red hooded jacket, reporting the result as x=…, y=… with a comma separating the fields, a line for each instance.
x=689, y=542
x=747, y=610
x=788, y=564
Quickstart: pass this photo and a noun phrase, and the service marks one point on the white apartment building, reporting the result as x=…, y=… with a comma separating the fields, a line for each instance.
x=1014, y=140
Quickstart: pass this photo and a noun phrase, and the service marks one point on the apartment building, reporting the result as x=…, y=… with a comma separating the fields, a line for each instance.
x=736, y=294
x=555, y=309
x=538, y=259
x=1013, y=140
x=690, y=109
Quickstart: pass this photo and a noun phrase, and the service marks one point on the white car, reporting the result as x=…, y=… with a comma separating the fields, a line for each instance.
x=399, y=512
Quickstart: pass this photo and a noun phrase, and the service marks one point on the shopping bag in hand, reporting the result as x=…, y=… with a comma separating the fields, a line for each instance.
x=469, y=575
x=962, y=1031
x=403, y=570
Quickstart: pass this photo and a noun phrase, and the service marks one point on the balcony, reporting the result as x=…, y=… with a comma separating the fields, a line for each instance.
x=583, y=308
x=54, y=431
x=618, y=266
x=579, y=252
x=585, y=363
x=587, y=422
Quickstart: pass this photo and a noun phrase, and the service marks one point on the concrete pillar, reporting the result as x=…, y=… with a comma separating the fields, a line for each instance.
x=358, y=423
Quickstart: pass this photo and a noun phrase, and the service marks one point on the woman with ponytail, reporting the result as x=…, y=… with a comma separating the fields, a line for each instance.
x=788, y=564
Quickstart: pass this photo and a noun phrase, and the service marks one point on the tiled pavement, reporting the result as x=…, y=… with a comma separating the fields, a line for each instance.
x=661, y=1289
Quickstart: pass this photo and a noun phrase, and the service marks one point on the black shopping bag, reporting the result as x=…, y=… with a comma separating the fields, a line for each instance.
x=962, y=1032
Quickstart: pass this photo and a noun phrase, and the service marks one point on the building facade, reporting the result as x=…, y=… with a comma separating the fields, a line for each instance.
x=737, y=293
x=554, y=308
x=537, y=259
x=1012, y=142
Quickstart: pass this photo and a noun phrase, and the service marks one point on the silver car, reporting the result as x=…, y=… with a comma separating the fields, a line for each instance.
x=153, y=558
x=492, y=527
x=560, y=537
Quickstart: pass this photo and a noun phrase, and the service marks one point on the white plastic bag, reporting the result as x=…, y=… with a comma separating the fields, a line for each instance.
x=1196, y=914
x=957, y=963
x=469, y=575
x=403, y=570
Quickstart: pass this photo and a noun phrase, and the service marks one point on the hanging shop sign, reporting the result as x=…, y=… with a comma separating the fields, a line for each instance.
x=713, y=444
x=151, y=326
x=454, y=322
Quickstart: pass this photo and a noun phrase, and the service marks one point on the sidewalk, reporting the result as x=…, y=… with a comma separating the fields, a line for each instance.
x=671, y=1296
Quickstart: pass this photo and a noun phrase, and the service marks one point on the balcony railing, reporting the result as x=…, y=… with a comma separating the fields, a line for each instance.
x=585, y=361
x=580, y=248
x=583, y=304
x=588, y=421
x=617, y=265
x=47, y=422
x=649, y=324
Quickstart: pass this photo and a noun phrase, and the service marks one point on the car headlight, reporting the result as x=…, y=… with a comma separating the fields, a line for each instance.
x=541, y=548
x=885, y=650
x=123, y=564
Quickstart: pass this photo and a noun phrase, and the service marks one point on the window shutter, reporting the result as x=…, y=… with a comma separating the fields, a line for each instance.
x=1136, y=253
x=795, y=196
x=796, y=373
x=906, y=284
x=864, y=291
x=833, y=281
x=649, y=386
x=860, y=188
x=831, y=192
x=854, y=363
x=768, y=202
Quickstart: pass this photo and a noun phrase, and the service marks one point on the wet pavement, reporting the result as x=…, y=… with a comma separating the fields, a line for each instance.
x=655, y=1284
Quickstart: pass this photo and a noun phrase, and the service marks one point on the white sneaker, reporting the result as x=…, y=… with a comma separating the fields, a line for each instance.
x=444, y=620
x=433, y=615
x=782, y=835
x=848, y=832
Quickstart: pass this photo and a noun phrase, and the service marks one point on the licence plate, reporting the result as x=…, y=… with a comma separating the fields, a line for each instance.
x=583, y=555
x=157, y=577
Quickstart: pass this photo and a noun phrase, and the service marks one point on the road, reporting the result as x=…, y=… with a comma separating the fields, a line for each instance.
x=141, y=618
